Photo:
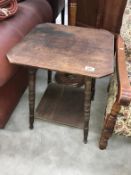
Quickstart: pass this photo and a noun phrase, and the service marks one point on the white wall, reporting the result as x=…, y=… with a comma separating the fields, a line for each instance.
x=58, y=20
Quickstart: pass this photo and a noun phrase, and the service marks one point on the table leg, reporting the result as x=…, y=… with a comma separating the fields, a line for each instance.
x=93, y=89
x=49, y=76
x=32, y=77
x=63, y=16
x=87, y=106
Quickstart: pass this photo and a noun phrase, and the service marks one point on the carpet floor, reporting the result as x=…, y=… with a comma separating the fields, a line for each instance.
x=52, y=149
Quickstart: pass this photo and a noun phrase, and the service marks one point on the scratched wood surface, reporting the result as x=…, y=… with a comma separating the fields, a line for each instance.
x=76, y=50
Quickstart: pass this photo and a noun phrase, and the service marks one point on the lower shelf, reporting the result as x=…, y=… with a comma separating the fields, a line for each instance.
x=62, y=104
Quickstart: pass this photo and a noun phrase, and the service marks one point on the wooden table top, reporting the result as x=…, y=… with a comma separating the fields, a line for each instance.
x=76, y=50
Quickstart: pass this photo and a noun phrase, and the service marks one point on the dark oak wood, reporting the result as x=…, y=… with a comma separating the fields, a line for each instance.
x=32, y=73
x=105, y=14
x=49, y=80
x=93, y=89
x=60, y=105
x=75, y=50
x=63, y=16
x=87, y=106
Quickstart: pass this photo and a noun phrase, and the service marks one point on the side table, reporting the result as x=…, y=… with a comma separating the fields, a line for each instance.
x=84, y=51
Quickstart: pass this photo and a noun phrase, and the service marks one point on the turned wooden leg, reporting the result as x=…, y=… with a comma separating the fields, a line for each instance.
x=49, y=76
x=32, y=73
x=63, y=16
x=108, y=127
x=93, y=88
x=87, y=106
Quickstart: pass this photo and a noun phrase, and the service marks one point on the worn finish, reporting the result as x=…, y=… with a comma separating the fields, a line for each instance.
x=124, y=94
x=49, y=75
x=65, y=49
x=31, y=96
x=61, y=48
x=93, y=89
x=109, y=124
x=60, y=104
x=87, y=106
x=64, y=78
x=123, y=97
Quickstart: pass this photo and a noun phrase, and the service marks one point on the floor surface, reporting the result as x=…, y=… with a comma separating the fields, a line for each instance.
x=52, y=149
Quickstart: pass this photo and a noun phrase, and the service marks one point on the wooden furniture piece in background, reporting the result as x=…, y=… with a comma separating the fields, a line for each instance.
x=103, y=14
x=65, y=49
x=118, y=109
x=121, y=95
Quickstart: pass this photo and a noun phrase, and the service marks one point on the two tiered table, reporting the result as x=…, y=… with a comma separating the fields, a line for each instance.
x=84, y=51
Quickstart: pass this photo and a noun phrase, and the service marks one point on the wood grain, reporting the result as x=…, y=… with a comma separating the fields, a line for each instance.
x=68, y=49
x=124, y=94
x=105, y=14
x=62, y=104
